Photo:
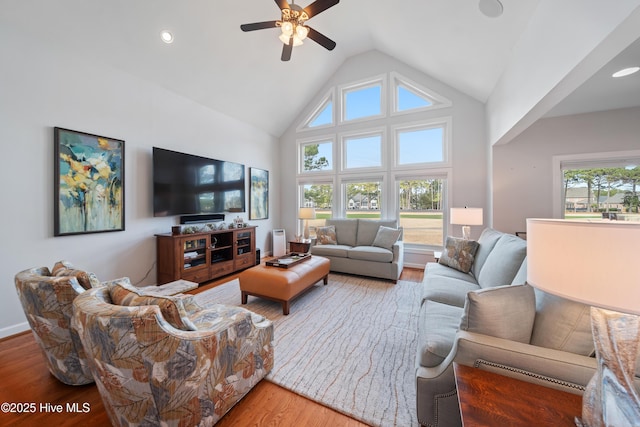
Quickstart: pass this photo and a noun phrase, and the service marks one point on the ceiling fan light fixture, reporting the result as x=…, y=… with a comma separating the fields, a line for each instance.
x=287, y=28
x=302, y=31
x=626, y=72
x=285, y=39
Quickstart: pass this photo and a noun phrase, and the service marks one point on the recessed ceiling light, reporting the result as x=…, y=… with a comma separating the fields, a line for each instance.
x=491, y=8
x=626, y=72
x=166, y=36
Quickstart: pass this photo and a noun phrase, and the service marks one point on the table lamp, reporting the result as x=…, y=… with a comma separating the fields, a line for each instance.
x=306, y=214
x=596, y=263
x=466, y=217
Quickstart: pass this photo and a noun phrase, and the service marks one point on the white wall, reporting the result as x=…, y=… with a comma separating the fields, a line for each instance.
x=469, y=154
x=546, y=65
x=44, y=86
x=522, y=173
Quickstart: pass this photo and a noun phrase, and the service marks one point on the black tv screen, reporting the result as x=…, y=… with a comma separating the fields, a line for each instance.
x=185, y=184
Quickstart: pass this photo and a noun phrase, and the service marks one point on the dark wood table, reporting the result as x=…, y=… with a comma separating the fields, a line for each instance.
x=488, y=399
x=301, y=247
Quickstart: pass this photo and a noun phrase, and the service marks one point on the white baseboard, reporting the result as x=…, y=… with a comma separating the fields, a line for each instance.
x=14, y=329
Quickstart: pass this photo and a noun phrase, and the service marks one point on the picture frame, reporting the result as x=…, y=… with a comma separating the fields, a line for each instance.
x=259, y=194
x=88, y=183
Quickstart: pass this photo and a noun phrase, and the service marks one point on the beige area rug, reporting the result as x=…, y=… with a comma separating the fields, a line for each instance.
x=349, y=345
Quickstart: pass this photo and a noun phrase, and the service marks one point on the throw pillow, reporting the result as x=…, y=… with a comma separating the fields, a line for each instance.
x=386, y=237
x=562, y=324
x=326, y=235
x=506, y=312
x=172, y=308
x=86, y=279
x=459, y=253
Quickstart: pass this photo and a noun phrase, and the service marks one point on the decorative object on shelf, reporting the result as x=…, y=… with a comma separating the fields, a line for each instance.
x=603, y=255
x=259, y=198
x=466, y=217
x=306, y=214
x=88, y=183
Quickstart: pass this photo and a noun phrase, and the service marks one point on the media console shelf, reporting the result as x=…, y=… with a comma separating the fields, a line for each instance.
x=200, y=257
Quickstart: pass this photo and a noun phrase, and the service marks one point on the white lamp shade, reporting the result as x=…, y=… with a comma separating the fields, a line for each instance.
x=307, y=213
x=594, y=262
x=466, y=216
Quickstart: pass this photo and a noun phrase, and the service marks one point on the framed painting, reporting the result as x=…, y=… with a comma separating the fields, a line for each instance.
x=259, y=195
x=88, y=183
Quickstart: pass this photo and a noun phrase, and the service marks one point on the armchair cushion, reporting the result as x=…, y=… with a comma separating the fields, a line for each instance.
x=505, y=312
x=386, y=237
x=171, y=307
x=459, y=253
x=86, y=279
x=562, y=324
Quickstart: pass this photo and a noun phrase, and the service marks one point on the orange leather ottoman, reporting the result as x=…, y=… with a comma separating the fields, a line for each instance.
x=283, y=284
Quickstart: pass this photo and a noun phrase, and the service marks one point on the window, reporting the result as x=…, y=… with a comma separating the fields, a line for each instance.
x=363, y=101
x=410, y=97
x=319, y=196
x=317, y=156
x=421, y=204
x=363, y=163
x=362, y=151
x=420, y=145
x=363, y=199
x=603, y=185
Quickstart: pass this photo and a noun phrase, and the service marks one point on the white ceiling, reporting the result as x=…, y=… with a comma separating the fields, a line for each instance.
x=240, y=74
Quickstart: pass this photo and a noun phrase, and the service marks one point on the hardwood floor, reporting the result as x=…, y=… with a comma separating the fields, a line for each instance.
x=25, y=379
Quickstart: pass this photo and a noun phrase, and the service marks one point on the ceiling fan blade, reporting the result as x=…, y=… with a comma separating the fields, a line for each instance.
x=321, y=39
x=319, y=6
x=286, y=50
x=283, y=4
x=258, y=26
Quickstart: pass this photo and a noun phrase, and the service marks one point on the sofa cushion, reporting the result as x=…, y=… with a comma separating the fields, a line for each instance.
x=503, y=262
x=506, y=312
x=386, y=237
x=562, y=324
x=486, y=242
x=459, y=253
x=331, y=250
x=436, y=332
x=171, y=307
x=447, y=290
x=368, y=230
x=326, y=235
x=370, y=253
x=521, y=275
x=346, y=230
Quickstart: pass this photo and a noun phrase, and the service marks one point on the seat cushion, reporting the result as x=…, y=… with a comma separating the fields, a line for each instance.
x=370, y=253
x=171, y=307
x=447, y=290
x=438, y=324
x=331, y=250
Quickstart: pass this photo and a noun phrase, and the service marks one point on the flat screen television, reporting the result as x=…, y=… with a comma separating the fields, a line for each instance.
x=185, y=184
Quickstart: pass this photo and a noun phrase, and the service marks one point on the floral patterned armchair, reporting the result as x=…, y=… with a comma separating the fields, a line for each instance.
x=168, y=360
x=46, y=297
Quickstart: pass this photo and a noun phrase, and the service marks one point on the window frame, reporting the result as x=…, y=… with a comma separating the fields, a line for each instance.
x=301, y=143
x=342, y=137
x=445, y=123
x=328, y=97
x=437, y=101
x=364, y=84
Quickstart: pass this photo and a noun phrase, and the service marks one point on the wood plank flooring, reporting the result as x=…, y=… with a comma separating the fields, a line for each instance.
x=24, y=378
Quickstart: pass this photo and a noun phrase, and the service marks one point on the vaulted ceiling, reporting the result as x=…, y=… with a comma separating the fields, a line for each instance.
x=240, y=74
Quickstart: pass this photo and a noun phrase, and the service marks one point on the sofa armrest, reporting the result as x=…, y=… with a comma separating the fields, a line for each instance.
x=398, y=252
x=549, y=367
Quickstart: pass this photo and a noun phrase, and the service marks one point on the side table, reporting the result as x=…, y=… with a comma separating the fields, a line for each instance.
x=489, y=399
x=300, y=247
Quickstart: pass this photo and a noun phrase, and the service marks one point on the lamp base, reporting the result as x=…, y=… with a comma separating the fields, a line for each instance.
x=305, y=233
x=466, y=232
x=611, y=398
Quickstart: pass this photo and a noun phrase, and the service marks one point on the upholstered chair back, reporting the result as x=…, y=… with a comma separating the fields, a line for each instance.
x=46, y=299
x=150, y=372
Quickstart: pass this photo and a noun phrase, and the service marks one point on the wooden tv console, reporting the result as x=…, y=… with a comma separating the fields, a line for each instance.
x=200, y=257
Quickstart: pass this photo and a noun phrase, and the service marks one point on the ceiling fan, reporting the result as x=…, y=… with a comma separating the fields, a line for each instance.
x=293, y=25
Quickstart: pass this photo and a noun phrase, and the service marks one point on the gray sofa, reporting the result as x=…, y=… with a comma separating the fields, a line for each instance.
x=491, y=319
x=354, y=251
